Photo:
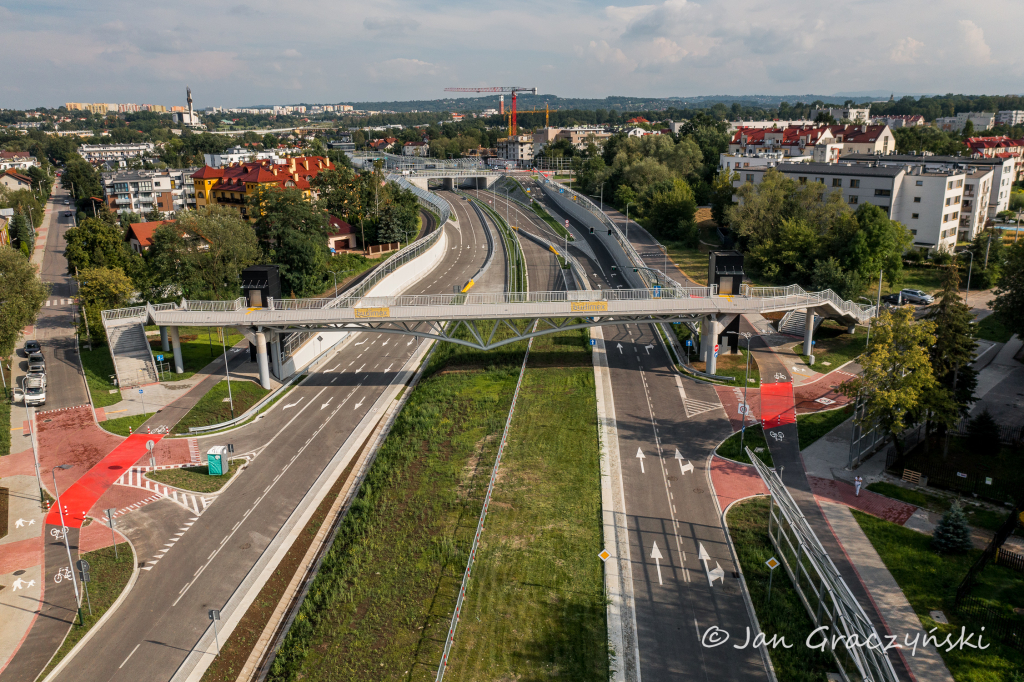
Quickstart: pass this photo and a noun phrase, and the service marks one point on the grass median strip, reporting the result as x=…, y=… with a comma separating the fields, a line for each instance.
x=213, y=407
x=196, y=479
x=107, y=579
x=98, y=369
x=125, y=426
x=832, y=344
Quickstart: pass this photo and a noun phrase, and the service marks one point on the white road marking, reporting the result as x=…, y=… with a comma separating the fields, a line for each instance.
x=129, y=655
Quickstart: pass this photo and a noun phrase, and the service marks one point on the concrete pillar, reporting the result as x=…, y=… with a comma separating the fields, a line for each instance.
x=710, y=329
x=275, y=354
x=261, y=359
x=179, y=366
x=809, y=334
x=164, y=342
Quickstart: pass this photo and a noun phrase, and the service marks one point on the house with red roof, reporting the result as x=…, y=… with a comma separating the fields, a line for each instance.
x=341, y=236
x=12, y=179
x=140, y=235
x=234, y=184
x=382, y=144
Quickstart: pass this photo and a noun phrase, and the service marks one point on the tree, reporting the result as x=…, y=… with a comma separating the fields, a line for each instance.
x=95, y=243
x=155, y=215
x=20, y=233
x=829, y=274
x=80, y=174
x=292, y=233
x=721, y=195
x=983, y=434
x=671, y=207
x=21, y=297
x=102, y=289
x=954, y=348
x=987, y=248
x=952, y=534
x=203, y=253
x=1009, y=300
x=897, y=372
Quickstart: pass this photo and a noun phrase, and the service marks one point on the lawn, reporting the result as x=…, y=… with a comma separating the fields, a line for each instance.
x=785, y=614
x=196, y=479
x=120, y=425
x=814, y=425
x=929, y=581
x=99, y=367
x=552, y=223
x=927, y=278
x=213, y=407
x=833, y=345
x=991, y=328
x=536, y=608
x=348, y=266
x=107, y=578
x=199, y=347
x=730, y=448
x=977, y=515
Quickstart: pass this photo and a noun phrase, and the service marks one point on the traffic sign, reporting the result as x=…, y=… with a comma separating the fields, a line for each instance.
x=604, y=555
x=716, y=350
x=773, y=563
x=150, y=445
x=567, y=223
x=689, y=342
x=159, y=358
x=140, y=391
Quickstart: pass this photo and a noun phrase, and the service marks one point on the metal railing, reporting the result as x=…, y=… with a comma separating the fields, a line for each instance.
x=426, y=198
x=123, y=313
x=822, y=590
x=855, y=310
x=213, y=306
x=400, y=161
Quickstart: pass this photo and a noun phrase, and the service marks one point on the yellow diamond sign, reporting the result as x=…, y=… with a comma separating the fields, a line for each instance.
x=773, y=563
x=604, y=555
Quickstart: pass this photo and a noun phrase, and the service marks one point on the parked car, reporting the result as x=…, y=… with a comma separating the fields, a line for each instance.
x=36, y=363
x=35, y=391
x=916, y=296
x=67, y=202
x=36, y=375
x=32, y=347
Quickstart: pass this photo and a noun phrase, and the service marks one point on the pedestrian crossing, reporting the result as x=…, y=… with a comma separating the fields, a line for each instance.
x=695, y=407
x=135, y=478
x=59, y=301
x=167, y=546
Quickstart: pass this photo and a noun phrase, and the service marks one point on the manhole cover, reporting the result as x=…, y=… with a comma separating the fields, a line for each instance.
x=47, y=421
x=21, y=572
x=245, y=546
x=698, y=490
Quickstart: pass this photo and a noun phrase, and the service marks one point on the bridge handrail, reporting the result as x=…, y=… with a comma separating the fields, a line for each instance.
x=123, y=313
x=425, y=197
x=213, y=306
x=860, y=312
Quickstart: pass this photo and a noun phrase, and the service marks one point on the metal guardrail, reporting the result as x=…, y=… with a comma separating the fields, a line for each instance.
x=213, y=306
x=855, y=310
x=123, y=313
x=248, y=414
x=821, y=588
x=402, y=162
x=426, y=198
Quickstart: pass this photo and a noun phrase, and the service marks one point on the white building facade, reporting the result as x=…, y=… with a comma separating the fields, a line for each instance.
x=168, y=191
x=97, y=153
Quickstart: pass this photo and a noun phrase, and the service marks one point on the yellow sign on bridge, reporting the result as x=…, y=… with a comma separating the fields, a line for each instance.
x=589, y=306
x=363, y=313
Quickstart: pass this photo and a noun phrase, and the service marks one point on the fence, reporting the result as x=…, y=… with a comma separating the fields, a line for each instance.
x=1005, y=557
x=427, y=199
x=819, y=585
x=861, y=442
x=1011, y=435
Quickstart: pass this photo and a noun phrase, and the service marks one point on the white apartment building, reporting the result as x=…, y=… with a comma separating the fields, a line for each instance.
x=927, y=203
x=240, y=155
x=96, y=153
x=416, y=149
x=980, y=120
x=899, y=120
x=737, y=162
x=516, y=148
x=1010, y=117
x=855, y=115
x=775, y=123
x=168, y=191
x=974, y=207
x=19, y=161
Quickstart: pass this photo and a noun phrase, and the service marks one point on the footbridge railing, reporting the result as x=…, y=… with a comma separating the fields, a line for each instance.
x=861, y=313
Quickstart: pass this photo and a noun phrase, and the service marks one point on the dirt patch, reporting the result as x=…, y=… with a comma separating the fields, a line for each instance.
x=702, y=216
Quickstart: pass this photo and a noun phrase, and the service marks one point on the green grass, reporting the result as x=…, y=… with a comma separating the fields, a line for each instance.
x=536, y=608
x=107, y=579
x=730, y=448
x=814, y=425
x=924, y=277
x=785, y=614
x=120, y=425
x=196, y=479
x=552, y=223
x=211, y=408
x=977, y=515
x=98, y=370
x=199, y=347
x=991, y=328
x=348, y=266
x=929, y=581
x=834, y=346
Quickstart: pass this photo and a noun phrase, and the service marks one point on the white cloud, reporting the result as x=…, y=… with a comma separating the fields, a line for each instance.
x=977, y=50
x=292, y=53
x=906, y=51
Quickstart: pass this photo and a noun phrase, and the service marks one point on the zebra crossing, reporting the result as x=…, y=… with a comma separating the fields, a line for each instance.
x=135, y=478
x=59, y=301
x=692, y=406
x=150, y=563
x=193, y=451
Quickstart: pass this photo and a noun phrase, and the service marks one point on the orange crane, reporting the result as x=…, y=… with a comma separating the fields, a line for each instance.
x=515, y=90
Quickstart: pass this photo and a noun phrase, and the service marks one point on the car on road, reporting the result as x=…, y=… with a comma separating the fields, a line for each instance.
x=67, y=202
x=36, y=363
x=916, y=296
x=32, y=347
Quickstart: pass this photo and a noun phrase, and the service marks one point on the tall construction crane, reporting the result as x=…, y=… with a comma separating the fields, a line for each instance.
x=515, y=90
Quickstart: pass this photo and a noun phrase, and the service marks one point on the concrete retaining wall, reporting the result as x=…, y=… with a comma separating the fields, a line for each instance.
x=413, y=271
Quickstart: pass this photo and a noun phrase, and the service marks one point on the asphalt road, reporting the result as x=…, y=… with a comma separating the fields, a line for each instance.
x=164, y=616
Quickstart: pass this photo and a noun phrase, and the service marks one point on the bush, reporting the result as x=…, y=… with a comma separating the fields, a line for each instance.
x=942, y=258
x=913, y=256
x=983, y=434
x=952, y=534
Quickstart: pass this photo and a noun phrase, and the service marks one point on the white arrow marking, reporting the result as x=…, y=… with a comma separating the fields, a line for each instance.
x=716, y=574
x=19, y=523
x=389, y=368
x=384, y=344
x=292, y=404
x=683, y=467
x=656, y=555
x=358, y=405
x=640, y=455
x=360, y=369
x=649, y=347
x=410, y=341
x=360, y=343
x=327, y=403
x=619, y=346
x=713, y=574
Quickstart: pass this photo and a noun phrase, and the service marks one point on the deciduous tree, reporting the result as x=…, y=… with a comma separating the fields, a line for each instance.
x=1009, y=300
x=21, y=297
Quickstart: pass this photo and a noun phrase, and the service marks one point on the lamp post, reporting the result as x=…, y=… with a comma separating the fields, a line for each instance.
x=970, y=269
x=32, y=437
x=64, y=532
x=746, y=384
x=227, y=373
x=627, y=220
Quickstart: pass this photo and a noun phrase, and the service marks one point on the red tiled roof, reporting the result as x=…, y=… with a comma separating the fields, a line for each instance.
x=143, y=232
x=206, y=172
x=340, y=227
x=15, y=155
x=18, y=176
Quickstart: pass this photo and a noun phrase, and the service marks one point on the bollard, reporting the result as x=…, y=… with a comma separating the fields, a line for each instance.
x=129, y=430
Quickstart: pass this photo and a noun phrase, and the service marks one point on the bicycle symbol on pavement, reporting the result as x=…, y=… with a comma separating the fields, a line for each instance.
x=57, y=533
x=777, y=435
x=779, y=376
x=62, y=574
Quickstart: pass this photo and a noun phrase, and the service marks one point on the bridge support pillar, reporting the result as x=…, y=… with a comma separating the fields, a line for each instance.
x=275, y=354
x=179, y=366
x=165, y=344
x=449, y=184
x=261, y=359
x=809, y=335
x=710, y=331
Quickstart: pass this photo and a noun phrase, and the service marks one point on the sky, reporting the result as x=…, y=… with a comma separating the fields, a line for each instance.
x=314, y=51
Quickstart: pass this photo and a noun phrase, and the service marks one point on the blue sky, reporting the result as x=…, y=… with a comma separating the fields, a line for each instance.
x=262, y=52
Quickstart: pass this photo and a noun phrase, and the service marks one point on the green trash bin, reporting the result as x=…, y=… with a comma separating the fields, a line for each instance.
x=217, y=461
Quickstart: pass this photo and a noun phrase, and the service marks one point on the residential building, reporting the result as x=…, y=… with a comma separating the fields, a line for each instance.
x=802, y=140
x=999, y=146
x=341, y=235
x=775, y=123
x=852, y=114
x=382, y=144
x=231, y=186
x=518, y=148
x=140, y=235
x=638, y=132
x=954, y=124
x=241, y=154
x=899, y=120
x=1003, y=170
x=754, y=159
x=94, y=153
x=581, y=137
x=20, y=161
x=141, y=191
x=974, y=207
x=1010, y=118
x=416, y=149
x=927, y=202
x=12, y=179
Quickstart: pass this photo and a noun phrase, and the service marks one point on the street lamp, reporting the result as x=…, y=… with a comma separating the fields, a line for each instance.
x=64, y=532
x=970, y=269
x=32, y=437
x=627, y=220
x=746, y=384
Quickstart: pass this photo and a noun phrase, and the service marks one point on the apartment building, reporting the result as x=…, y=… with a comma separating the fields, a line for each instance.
x=758, y=125
x=802, y=140
x=517, y=148
x=241, y=154
x=853, y=114
x=1003, y=170
x=752, y=159
x=20, y=161
x=974, y=207
x=416, y=149
x=140, y=191
x=954, y=124
x=899, y=120
x=1010, y=118
x=927, y=203
x=97, y=153
x=231, y=186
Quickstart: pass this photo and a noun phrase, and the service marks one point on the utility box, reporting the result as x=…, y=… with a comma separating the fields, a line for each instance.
x=725, y=268
x=217, y=460
x=260, y=283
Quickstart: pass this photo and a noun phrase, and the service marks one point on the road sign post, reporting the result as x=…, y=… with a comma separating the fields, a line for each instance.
x=152, y=460
x=143, y=399
x=83, y=574
x=773, y=563
x=110, y=519
x=215, y=616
